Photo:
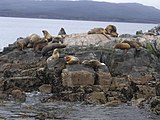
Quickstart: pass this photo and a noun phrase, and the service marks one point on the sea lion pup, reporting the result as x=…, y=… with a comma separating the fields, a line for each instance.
x=32, y=39
x=99, y=31
x=22, y=43
x=62, y=32
x=122, y=46
x=47, y=36
x=50, y=47
x=111, y=30
x=133, y=44
x=71, y=60
x=55, y=55
x=39, y=45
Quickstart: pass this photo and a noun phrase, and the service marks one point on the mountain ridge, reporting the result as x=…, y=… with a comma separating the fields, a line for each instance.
x=80, y=10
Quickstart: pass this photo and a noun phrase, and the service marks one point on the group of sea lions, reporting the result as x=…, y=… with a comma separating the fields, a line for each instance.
x=112, y=31
x=70, y=60
x=51, y=43
x=44, y=43
x=128, y=44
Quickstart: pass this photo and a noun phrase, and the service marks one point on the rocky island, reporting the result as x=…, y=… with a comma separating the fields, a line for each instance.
x=88, y=68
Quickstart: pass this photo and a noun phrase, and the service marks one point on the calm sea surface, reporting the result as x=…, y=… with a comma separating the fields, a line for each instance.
x=12, y=28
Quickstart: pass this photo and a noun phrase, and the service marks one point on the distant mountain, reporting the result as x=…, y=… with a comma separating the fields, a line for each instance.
x=80, y=10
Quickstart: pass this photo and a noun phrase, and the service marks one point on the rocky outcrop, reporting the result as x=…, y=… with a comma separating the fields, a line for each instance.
x=123, y=77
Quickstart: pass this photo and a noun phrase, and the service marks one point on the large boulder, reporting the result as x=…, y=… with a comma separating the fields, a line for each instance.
x=76, y=75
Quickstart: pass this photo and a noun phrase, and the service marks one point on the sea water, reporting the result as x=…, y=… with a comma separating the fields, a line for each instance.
x=11, y=28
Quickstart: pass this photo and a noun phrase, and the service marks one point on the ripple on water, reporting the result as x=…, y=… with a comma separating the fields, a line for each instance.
x=33, y=107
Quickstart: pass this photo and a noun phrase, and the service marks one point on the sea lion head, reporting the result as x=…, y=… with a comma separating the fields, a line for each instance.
x=111, y=30
x=47, y=36
x=55, y=54
x=62, y=32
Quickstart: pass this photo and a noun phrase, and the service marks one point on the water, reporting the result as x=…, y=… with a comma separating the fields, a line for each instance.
x=12, y=28
x=34, y=108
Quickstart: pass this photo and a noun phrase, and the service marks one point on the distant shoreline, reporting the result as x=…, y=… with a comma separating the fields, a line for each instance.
x=79, y=20
x=80, y=10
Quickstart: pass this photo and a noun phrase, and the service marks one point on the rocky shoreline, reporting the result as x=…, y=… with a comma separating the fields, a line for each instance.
x=132, y=77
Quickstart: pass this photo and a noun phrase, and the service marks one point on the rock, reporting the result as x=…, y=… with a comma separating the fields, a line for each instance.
x=124, y=77
x=52, y=64
x=126, y=36
x=118, y=83
x=155, y=104
x=76, y=75
x=104, y=78
x=157, y=89
x=138, y=102
x=98, y=88
x=26, y=83
x=29, y=72
x=3, y=96
x=113, y=103
x=18, y=95
x=140, y=75
x=45, y=88
x=145, y=91
x=85, y=40
x=97, y=98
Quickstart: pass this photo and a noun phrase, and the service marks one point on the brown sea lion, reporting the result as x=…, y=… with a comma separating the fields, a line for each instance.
x=51, y=47
x=122, y=46
x=92, y=63
x=71, y=60
x=32, y=39
x=114, y=34
x=133, y=44
x=55, y=55
x=22, y=43
x=39, y=45
x=48, y=37
x=111, y=30
x=58, y=39
x=99, y=31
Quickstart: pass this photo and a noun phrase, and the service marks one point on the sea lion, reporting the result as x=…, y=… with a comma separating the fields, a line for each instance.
x=50, y=47
x=39, y=45
x=114, y=34
x=62, y=32
x=22, y=43
x=111, y=30
x=133, y=44
x=32, y=39
x=92, y=63
x=71, y=60
x=122, y=46
x=48, y=37
x=58, y=39
x=98, y=31
x=55, y=55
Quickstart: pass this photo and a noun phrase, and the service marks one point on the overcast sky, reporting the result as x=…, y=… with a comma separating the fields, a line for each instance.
x=155, y=3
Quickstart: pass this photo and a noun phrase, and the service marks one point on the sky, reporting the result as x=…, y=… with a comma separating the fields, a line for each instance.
x=155, y=3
